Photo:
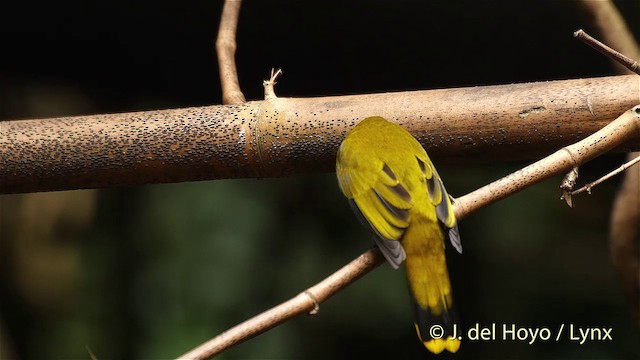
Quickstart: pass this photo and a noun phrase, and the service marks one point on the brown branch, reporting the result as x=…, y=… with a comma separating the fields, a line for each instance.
x=621, y=59
x=625, y=127
x=285, y=136
x=226, y=49
x=612, y=28
x=307, y=301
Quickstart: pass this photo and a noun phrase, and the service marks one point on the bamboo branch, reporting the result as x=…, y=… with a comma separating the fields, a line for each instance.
x=226, y=50
x=625, y=127
x=285, y=136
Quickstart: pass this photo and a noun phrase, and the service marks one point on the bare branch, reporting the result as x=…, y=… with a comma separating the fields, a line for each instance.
x=615, y=172
x=607, y=51
x=285, y=136
x=306, y=302
x=625, y=127
x=612, y=29
x=625, y=215
x=226, y=50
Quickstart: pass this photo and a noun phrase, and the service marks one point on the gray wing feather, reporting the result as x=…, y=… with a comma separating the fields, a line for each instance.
x=454, y=237
x=391, y=249
x=435, y=189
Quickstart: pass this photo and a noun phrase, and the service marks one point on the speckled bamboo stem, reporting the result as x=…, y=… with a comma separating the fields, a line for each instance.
x=284, y=136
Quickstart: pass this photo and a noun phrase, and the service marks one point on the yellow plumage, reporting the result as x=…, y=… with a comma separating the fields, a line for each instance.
x=393, y=186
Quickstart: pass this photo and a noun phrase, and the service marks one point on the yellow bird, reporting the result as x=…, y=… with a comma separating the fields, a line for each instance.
x=394, y=188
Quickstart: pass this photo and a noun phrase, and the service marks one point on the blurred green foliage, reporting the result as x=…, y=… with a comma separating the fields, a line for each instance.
x=163, y=268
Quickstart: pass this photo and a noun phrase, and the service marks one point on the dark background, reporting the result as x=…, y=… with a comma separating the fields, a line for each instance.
x=152, y=271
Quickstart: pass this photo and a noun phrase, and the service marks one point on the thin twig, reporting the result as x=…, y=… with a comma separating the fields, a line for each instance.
x=615, y=172
x=612, y=29
x=226, y=50
x=625, y=127
x=607, y=51
x=269, y=85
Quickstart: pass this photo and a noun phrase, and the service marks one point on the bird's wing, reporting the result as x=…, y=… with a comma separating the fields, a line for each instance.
x=379, y=200
x=440, y=199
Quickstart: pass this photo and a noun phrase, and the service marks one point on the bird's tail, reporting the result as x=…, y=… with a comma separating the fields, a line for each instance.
x=437, y=332
x=436, y=318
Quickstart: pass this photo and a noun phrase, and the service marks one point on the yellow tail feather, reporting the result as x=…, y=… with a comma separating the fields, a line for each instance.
x=436, y=346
